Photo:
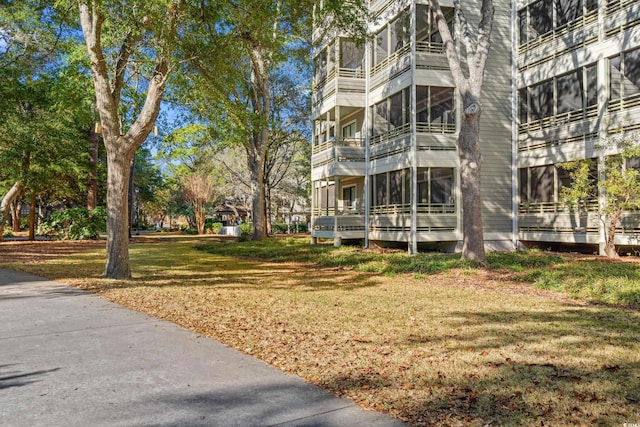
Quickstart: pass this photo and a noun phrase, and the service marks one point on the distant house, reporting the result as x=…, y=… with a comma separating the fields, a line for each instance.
x=231, y=213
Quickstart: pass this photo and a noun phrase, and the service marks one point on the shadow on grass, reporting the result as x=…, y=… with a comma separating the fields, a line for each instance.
x=575, y=366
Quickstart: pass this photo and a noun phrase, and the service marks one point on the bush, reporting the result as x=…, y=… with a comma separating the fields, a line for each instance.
x=76, y=223
x=245, y=232
x=282, y=228
x=212, y=227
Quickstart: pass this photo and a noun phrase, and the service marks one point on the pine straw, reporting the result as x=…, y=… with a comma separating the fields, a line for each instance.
x=461, y=347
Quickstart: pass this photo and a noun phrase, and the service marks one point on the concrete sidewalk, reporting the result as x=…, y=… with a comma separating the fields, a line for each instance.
x=69, y=358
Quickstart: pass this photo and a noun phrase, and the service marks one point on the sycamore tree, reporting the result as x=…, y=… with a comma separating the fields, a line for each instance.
x=127, y=40
x=467, y=67
x=619, y=185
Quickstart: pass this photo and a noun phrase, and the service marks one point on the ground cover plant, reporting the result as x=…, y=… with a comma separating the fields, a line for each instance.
x=428, y=339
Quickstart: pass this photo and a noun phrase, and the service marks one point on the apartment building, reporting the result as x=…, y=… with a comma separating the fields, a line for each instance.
x=562, y=75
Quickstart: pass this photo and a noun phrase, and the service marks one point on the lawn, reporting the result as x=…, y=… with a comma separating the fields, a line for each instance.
x=429, y=339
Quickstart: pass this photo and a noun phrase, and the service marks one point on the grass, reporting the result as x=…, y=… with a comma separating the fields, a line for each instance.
x=428, y=339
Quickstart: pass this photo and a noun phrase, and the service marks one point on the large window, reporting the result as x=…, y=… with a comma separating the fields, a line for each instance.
x=625, y=74
x=538, y=18
x=392, y=38
x=389, y=188
x=391, y=113
x=351, y=55
x=435, y=188
x=435, y=106
x=572, y=92
x=426, y=28
x=543, y=184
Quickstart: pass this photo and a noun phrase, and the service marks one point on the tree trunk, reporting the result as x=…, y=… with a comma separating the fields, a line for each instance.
x=32, y=217
x=13, y=192
x=118, y=266
x=470, y=171
x=610, y=245
x=258, y=200
x=92, y=187
x=200, y=213
x=267, y=209
x=16, y=210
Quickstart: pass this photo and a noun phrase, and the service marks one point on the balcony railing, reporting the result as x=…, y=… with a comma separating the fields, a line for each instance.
x=559, y=119
x=553, y=207
x=340, y=142
x=394, y=57
x=422, y=208
x=422, y=127
x=620, y=104
x=430, y=47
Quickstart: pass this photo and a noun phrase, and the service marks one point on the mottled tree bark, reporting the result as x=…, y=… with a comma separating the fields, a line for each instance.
x=92, y=186
x=8, y=198
x=121, y=147
x=469, y=85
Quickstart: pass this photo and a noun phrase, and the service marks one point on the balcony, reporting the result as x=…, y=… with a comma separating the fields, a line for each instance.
x=345, y=87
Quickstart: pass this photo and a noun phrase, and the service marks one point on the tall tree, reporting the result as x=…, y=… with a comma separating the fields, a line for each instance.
x=468, y=67
x=120, y=36
x=248, y=43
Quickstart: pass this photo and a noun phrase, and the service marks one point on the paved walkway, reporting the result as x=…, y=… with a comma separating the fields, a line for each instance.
x=69, y=358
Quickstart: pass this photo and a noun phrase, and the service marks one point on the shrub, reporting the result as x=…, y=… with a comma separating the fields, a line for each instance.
x=212, y=227
x=245, y=232
x=279, y=228
x=76, y=223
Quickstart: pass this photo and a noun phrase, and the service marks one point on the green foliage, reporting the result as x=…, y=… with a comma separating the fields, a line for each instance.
x=288, y=228
x=245, y=232
x=583, y=186
x=76, y=223
x=212, y=227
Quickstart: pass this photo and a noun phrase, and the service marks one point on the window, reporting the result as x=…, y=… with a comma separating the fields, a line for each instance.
x=625, y=74
x=541, y=17
x=631, y=82
x=567, y=11
x=441, y=185
x=426, y=27
x=380, y=120
x=320, y=65
x=541, y=189
x=395, y=111
x=522, y=26
x=592, y=85
x=351, y=55
x=349, y=197
x=392, y=113
x=543, y=184
x=435, y=186
x=325, y=195
x=382, y=46
x=349, y=131
x=395, y=187
x=569, y=90
x=380, y=190
x=441, y=105
x=399, y=32
x=541, y=100
x=435, y=105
